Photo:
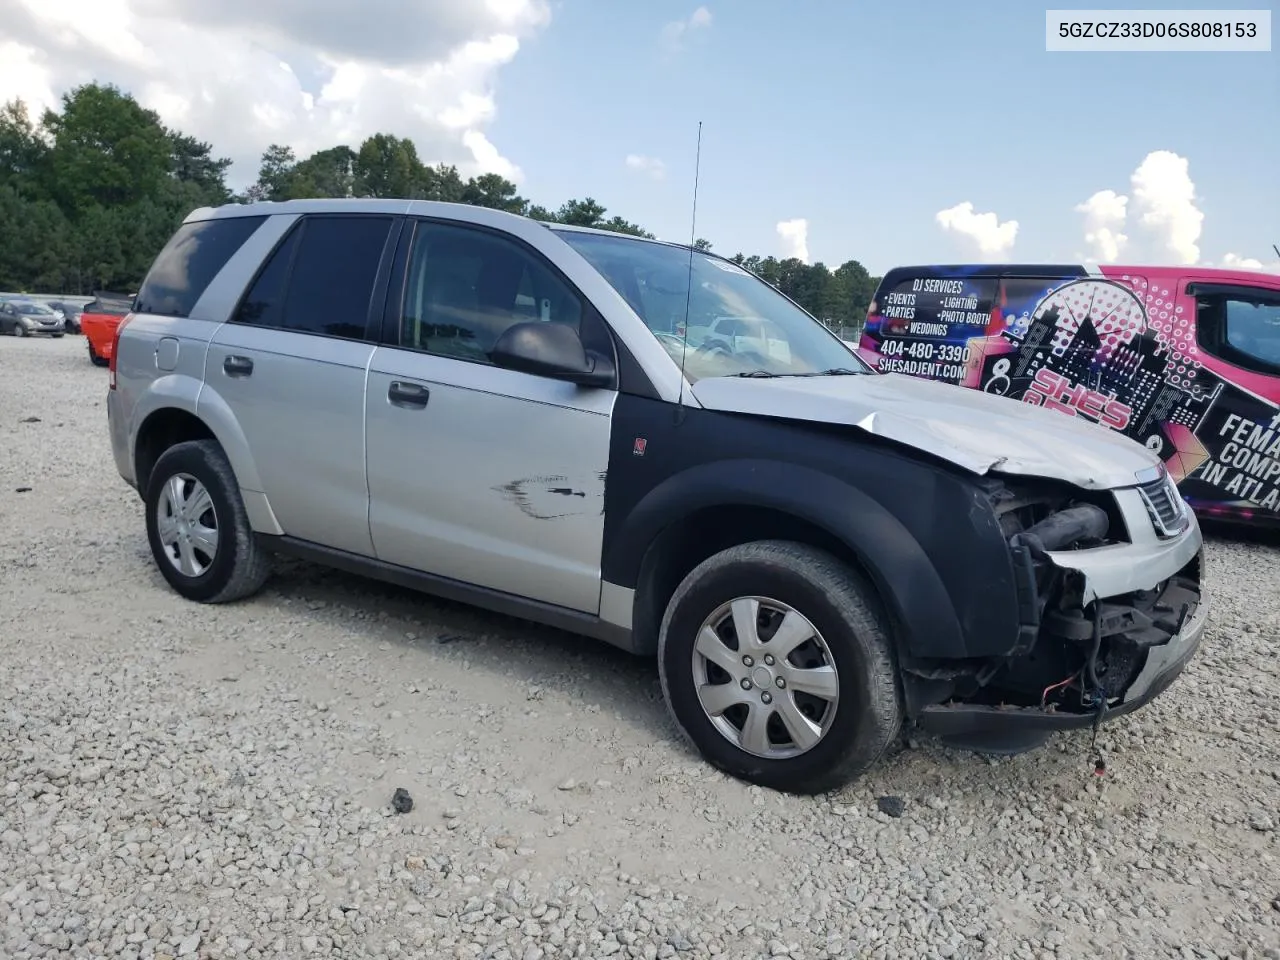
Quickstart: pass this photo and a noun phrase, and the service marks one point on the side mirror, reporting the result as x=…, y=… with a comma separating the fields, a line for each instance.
x=552, y=350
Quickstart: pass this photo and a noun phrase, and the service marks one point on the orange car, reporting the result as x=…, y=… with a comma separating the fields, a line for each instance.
x=99, y=321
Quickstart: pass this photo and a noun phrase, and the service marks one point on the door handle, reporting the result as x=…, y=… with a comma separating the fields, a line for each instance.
x=234, y=366
x=408, y=394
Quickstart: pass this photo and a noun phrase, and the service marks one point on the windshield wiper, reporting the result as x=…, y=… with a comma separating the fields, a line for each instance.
x=758, y=373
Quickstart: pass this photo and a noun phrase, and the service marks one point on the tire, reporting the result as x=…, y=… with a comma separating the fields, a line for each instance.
x=867, y=715
x=239, y=566
x=96, y=360
x=20, y=331
x=56, y=336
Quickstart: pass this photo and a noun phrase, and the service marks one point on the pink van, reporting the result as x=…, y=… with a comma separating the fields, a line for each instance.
x=1183, y=359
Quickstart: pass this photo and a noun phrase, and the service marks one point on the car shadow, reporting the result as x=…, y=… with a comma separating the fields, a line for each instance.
x=552, y=660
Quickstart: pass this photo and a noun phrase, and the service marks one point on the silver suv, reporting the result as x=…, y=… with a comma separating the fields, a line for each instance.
x=541, y=420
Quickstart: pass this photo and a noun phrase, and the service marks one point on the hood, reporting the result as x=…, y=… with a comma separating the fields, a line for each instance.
x=974, y=430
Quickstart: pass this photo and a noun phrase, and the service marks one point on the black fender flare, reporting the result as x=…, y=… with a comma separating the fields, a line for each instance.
x=901, y=572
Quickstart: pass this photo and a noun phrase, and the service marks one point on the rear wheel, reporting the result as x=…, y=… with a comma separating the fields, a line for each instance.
x=776, y=662
x=96, y=360
x=198, y=527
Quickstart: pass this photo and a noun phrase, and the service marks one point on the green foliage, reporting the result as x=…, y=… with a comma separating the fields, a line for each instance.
x=90, y=195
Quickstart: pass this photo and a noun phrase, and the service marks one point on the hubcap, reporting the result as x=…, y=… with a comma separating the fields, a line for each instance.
x=765, y=677
x=187, y=524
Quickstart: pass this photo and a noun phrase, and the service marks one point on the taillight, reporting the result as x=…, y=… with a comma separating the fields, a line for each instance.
x=115, y=350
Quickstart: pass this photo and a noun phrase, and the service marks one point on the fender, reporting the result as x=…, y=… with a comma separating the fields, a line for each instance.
x=906, y=578
x=174, y=391
x=181, y=392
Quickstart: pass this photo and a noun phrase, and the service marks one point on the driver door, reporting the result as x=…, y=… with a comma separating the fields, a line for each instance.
x=484, y=475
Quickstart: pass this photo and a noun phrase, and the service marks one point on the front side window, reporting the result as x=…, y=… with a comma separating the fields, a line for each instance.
x=465, y=287
x=1253, y=329
x=734, y=323
x=1240, y=326
x=188, y=263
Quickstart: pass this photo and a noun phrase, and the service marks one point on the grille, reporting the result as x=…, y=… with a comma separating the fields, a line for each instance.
x=1167, y=509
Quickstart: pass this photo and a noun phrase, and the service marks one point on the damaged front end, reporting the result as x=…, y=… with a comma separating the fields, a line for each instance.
x=1110, y=611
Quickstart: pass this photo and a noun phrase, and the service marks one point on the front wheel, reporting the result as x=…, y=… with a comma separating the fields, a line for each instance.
x=198, y=527
x=20, y=331
x=776, y=662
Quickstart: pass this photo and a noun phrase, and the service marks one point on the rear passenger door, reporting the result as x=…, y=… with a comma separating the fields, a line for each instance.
x=290, y=363
x=485, y=475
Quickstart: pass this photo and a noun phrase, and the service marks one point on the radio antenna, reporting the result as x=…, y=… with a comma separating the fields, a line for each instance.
x=1276, y=249
x=688, y=293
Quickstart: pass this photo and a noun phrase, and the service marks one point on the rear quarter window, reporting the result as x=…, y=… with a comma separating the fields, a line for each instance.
x=189, y=261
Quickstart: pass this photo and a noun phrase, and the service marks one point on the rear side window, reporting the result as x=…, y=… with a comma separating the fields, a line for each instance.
x=189, y=262
x=320, y=279
x=948, y=307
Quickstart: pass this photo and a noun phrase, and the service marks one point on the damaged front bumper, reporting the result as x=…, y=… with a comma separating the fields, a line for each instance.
x=1119, y=621
x=1163, y=664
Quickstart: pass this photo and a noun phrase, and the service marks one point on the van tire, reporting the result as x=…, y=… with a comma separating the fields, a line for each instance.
x=240, y=566
x=850, y=622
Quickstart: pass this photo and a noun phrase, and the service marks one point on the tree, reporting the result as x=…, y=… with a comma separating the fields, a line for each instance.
x=274, y=173
x=388, y=166
x=21, y=150
x=326, y=173
x=192, y=161
x=492, y=190
x=106, y=150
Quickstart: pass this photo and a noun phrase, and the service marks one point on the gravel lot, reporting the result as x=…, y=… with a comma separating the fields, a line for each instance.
x=186, y=781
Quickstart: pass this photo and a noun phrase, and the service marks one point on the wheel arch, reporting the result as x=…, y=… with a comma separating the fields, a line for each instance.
x=708, y=508
x=178, y=408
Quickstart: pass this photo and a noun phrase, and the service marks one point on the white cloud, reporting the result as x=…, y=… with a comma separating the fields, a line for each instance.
x=307, y=73
x=1166, y=220
x=650, y=166
x=1104, y=217
x=1164, y=199
x=24, y=75
x=673, y=33
x=982, y=232
x=1234, y=261
x=795, y=238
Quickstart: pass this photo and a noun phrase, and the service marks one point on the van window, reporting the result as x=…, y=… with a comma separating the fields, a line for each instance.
x=954, y=308
x=1240, y=326
x=1254, y=329
x=188, y=263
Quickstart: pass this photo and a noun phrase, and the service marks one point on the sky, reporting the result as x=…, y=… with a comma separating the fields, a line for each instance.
x=887, y=132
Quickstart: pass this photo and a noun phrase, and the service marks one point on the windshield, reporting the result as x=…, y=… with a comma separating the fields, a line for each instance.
x=29, y=309
x=738, y=325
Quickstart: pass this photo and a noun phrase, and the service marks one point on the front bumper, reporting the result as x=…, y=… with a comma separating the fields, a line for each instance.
x=1148, y=591
x=1163, y=665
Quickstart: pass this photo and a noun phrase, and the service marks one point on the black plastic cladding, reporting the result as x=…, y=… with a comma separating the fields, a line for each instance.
x=927, y=536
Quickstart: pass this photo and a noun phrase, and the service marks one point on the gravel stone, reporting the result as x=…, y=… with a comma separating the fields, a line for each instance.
x=152, y=808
